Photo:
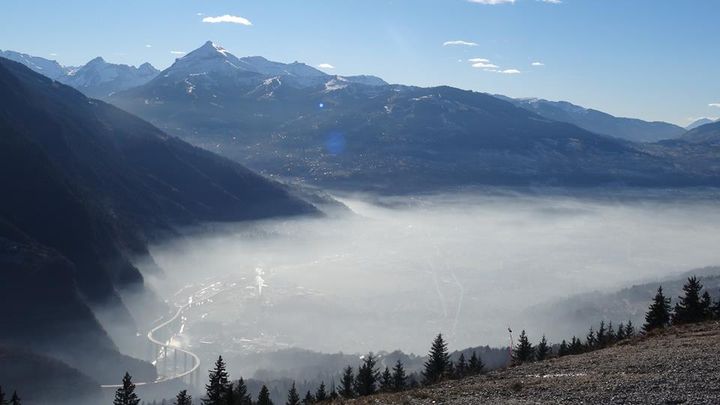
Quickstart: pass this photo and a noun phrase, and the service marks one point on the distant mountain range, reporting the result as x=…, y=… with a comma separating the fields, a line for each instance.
x=294, y=121
x=631, y=129
x=97, y=78
x=85, y=186
x=700, y=122
x=340, y=132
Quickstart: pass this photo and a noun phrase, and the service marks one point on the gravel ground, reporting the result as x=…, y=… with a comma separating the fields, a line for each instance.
x=678, y=366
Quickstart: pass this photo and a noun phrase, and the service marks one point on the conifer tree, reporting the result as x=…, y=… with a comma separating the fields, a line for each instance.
x=524, y=351
x=542, y=351
x=309, y=399
x=563, y=350
x=264, y=396
x=347, y=383
x=601, y=335
x=183, y=398
x=438, y=363
x=241, y=395
x=217, y=385
x=576, y=346
x=333, y=391
x=386, y=380
x=461, y=369
x=320, y=394
x=475, y=365
x=590, y=340
x=620, y=334
x=689, y=307
x=15, y=399
x=716, y=309
x=629, y=330
x=399, y=377
x=706, y=305
x=611, y=334
x=658, y=315
x=125, y=395
x=229, y=397
x=367, y=376
x=293, y=396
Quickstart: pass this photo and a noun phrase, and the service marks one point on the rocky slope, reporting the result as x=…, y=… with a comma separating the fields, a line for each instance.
x=678, y=366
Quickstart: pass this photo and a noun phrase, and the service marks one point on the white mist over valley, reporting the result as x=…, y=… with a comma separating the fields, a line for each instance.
x=392, y=272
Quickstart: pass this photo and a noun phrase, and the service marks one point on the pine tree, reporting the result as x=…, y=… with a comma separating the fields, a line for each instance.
x=543, y=350
x=264, y=396
x=658, y=315
x=183, y=398
x=475, y=365
x=576, y=346
x=348, y=381
x=461, y=369
x=563, y=350
x=629, y=330
x=229, y=397
x=524, y=351
x=15, y=399
x=217, y=385
x=716, y=309
x=590, y=340
x=386, y=381
x=601, y=335
x=436, y=368
x=620, y=335
x=309, y=399
x=367, y=376
x=333, y=391
x=320, y=394
x=706, y=305
x=611, y=334
x=293, y=396
x=125, y=395
x=399, y=377
x=241, y=395
x=689, y=308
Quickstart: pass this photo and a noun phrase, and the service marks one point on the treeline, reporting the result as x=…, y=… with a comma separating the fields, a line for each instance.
x=695, y=305
x=14, y=399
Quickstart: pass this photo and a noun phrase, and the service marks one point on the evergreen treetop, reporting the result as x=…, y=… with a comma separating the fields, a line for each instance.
x=524, y=350
x=217, y=386
x=183, y=398
x=293, y=396
x=658, y=315
x=124, y=395
x=264, y=396
x=543, y=350
x=438, y=363
x=689, y=307
x=399, y=377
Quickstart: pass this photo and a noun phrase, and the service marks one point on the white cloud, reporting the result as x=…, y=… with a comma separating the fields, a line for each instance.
x=459, y=43
x=492, y=2
x=326, y=66
x=551, y=1
x=227, y=18
x=510, y=72
x=714, y=105
x=178, y=52
x=53, y=54
x=537, y=64
x=484, y=65
x=478, y=60
x=200, y=14
x=148, y=46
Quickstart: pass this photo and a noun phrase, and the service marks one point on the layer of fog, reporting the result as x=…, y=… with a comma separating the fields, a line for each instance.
x=395, y=272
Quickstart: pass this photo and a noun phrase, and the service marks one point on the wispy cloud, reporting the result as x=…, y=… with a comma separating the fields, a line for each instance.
x=484, y=65
x=53, y=54
x=714, y=105
x=492, y=2
x=551, y=1
x=227, y=18
x=148, y=46
x=178, y=52
x=478, y=60
x=326, y=66
x=510, y=72
x=459, y=43
x=537, y=64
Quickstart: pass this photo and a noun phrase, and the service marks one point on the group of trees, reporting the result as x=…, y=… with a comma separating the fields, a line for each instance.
x=694, y=306
x=14, y=399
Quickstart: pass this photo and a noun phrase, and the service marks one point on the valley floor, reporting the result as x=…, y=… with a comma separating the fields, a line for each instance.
x=679, y=366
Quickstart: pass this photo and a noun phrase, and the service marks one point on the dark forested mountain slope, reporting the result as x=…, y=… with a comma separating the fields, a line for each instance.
x=84, y=185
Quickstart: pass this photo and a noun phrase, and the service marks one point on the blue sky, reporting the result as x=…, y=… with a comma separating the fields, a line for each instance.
x=652, y=59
